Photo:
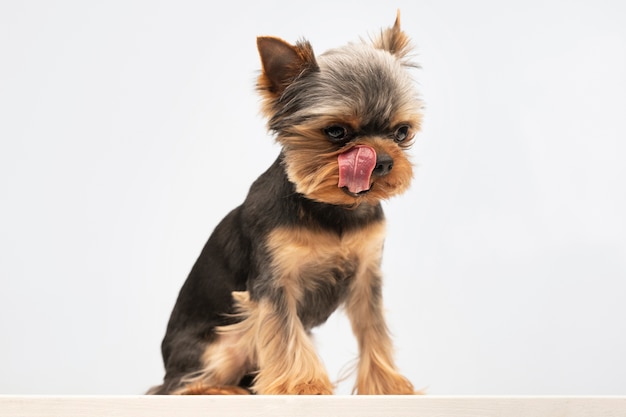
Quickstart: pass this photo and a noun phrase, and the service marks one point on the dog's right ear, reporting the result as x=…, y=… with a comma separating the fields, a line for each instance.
x=394, y=40
x=282, y=64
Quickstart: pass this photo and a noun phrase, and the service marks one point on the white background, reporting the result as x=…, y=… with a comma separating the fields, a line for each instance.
x=128, y=129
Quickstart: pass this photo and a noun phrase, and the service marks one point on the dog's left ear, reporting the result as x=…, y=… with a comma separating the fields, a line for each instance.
x=283, y=63
x=394, y=40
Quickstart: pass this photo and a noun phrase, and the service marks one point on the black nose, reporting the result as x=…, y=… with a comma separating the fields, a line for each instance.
x=384, y=163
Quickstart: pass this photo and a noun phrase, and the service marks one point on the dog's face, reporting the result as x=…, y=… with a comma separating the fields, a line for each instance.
x=345, y=119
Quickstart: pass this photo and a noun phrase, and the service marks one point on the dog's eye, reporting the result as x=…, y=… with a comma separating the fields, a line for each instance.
x=337, y=133
x=401, y=133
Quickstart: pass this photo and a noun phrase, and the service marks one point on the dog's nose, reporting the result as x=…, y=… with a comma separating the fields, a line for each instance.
x=384, y=163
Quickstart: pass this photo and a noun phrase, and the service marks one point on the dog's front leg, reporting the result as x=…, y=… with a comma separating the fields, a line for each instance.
x=287, y=361
x=377, y=373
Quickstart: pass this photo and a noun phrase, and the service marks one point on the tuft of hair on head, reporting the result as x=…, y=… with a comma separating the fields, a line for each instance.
x=395, y=41
x=282, y=63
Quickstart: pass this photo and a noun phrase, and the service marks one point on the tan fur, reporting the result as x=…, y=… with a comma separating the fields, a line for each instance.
x=376, y=373
x=202, y=389
x=298, y=250
x=301, y=249
x=286, y=356
x=280, y=346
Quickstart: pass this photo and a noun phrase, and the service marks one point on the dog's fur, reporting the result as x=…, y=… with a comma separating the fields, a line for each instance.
x=300, y=245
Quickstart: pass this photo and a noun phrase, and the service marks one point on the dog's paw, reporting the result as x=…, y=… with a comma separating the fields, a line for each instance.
x=201, y=389
x=313, y=388
x=388, y=384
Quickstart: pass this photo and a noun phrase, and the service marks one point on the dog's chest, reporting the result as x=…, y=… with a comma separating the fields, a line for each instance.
x=317, y=269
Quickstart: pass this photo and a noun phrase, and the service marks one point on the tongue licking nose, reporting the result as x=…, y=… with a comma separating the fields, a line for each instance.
x=355, y=168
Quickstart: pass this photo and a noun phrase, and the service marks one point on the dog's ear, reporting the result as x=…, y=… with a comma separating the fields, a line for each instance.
x=282, y=63
x=394, y=40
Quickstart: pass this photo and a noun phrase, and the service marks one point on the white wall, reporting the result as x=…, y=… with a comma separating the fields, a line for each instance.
x=128, y=129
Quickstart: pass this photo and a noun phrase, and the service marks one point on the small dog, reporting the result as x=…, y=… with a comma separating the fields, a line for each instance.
x=309, y=236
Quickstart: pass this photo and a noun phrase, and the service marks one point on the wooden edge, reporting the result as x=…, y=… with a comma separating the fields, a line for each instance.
x=323, y=406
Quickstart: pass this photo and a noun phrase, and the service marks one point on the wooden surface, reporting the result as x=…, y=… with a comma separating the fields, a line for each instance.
x=303, y=406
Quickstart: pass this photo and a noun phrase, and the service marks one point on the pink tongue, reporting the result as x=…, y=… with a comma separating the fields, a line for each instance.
x=355, y=168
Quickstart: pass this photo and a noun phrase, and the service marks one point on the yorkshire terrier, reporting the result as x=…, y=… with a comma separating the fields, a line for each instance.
x=309, y=236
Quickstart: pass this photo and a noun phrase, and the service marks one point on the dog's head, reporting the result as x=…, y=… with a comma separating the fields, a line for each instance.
x=345, y=119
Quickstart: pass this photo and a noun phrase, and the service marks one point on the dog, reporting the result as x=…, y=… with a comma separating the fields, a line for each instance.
x=308, y=238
